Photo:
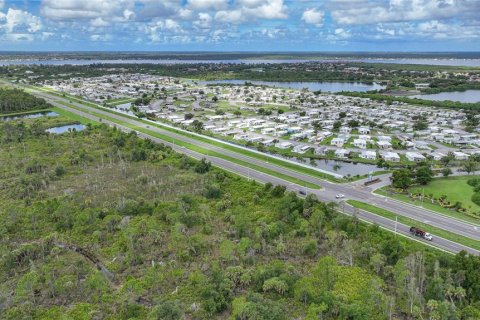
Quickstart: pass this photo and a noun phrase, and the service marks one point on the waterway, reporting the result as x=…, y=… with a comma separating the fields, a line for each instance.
x=468, y=96
x=430, y=61
x=312, y=86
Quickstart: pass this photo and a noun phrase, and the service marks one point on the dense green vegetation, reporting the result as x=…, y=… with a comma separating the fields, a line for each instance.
x=102, y=224
x=14, y=101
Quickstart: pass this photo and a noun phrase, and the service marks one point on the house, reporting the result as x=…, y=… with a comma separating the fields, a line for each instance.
x=268, y=130
x=382, y=144
x=460, y=155
x=384, y=138
x=364, y=130
x=437, y=156
x=301, y=149
x=422, y=145
x=342, y=153
x=338, y=142
x=345, y=130
x=284, y=145
x=414, y=156
x=391, y=156
x=369, y=155
x=267, y=142
x=360, y=143
x=320, y=150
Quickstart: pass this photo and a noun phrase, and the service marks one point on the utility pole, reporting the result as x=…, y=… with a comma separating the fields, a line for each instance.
x=396, y=221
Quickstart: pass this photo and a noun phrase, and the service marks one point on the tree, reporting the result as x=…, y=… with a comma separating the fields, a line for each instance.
x=337, y=124
x=353, y=123
x=447, y=159
x=203, y=166
x=470, y=166
x=188, y=116
x=446, y=172
x=342, y=114
x=402, y=179
x=215, y=99
x=420, y=125
x=424, y=175
x=197, y=126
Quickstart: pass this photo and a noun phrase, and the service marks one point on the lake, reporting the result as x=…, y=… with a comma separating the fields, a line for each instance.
x=468, y=96
x=63, y=129
x=312, y=86
x=30, y=115
x=430, y=61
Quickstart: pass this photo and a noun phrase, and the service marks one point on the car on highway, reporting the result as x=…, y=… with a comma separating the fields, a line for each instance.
x=420, y=233
x=339, y=196
x=303, y=193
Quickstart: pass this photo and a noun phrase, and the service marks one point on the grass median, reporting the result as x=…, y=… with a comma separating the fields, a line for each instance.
x=291, y=166
x=195, y=148
x=411, y=222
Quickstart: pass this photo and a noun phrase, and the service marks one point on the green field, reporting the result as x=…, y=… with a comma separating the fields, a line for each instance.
x=455, y=188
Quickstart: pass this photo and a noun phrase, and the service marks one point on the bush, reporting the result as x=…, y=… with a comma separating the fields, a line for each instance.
x=476, y=198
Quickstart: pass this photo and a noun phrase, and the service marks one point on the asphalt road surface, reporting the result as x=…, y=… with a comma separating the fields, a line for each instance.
x=354, y=191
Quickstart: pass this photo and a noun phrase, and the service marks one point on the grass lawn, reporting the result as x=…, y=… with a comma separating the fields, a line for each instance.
x=432, y=206
x=410, y=222
x=455, y=188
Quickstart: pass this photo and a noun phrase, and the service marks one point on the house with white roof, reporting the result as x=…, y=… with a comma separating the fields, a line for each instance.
x=391, y=156
x=342, y=153
x=414, y=156
x=384, y=145
x=360, y=143
x=284, y=145
x=460, y=155
x=338, y=142
x=437, y=156
x=364, y=130
x=369, y=155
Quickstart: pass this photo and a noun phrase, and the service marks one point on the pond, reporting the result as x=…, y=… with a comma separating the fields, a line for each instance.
x=339, y=167
x=67, y=128
x=468, y=96
x=312, y=86
x=30, y=115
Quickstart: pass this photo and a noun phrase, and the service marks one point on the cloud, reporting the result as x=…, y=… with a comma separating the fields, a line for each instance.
x=353, y=12
x=253, y=10
x=85, y=9
x=313, y=16
x=19, y=37
x=2, y=4
x=160, y=28
x=204, y=21
x=207, y=4
x=100, y=37
x=20, y=21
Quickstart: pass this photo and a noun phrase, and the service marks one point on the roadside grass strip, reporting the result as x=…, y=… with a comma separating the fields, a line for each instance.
x=411, y=222
x=429, y=206
x=311, y=172
x=196, y=148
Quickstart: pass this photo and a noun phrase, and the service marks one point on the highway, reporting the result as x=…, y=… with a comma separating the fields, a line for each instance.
x=354, y=191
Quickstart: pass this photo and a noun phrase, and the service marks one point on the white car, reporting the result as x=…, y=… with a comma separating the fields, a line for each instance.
x=340, y=196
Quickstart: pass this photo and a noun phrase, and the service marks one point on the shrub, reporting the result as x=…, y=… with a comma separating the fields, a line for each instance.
x=476, y=198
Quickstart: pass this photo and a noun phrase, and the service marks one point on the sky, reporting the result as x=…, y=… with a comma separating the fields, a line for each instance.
x=240, y=25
